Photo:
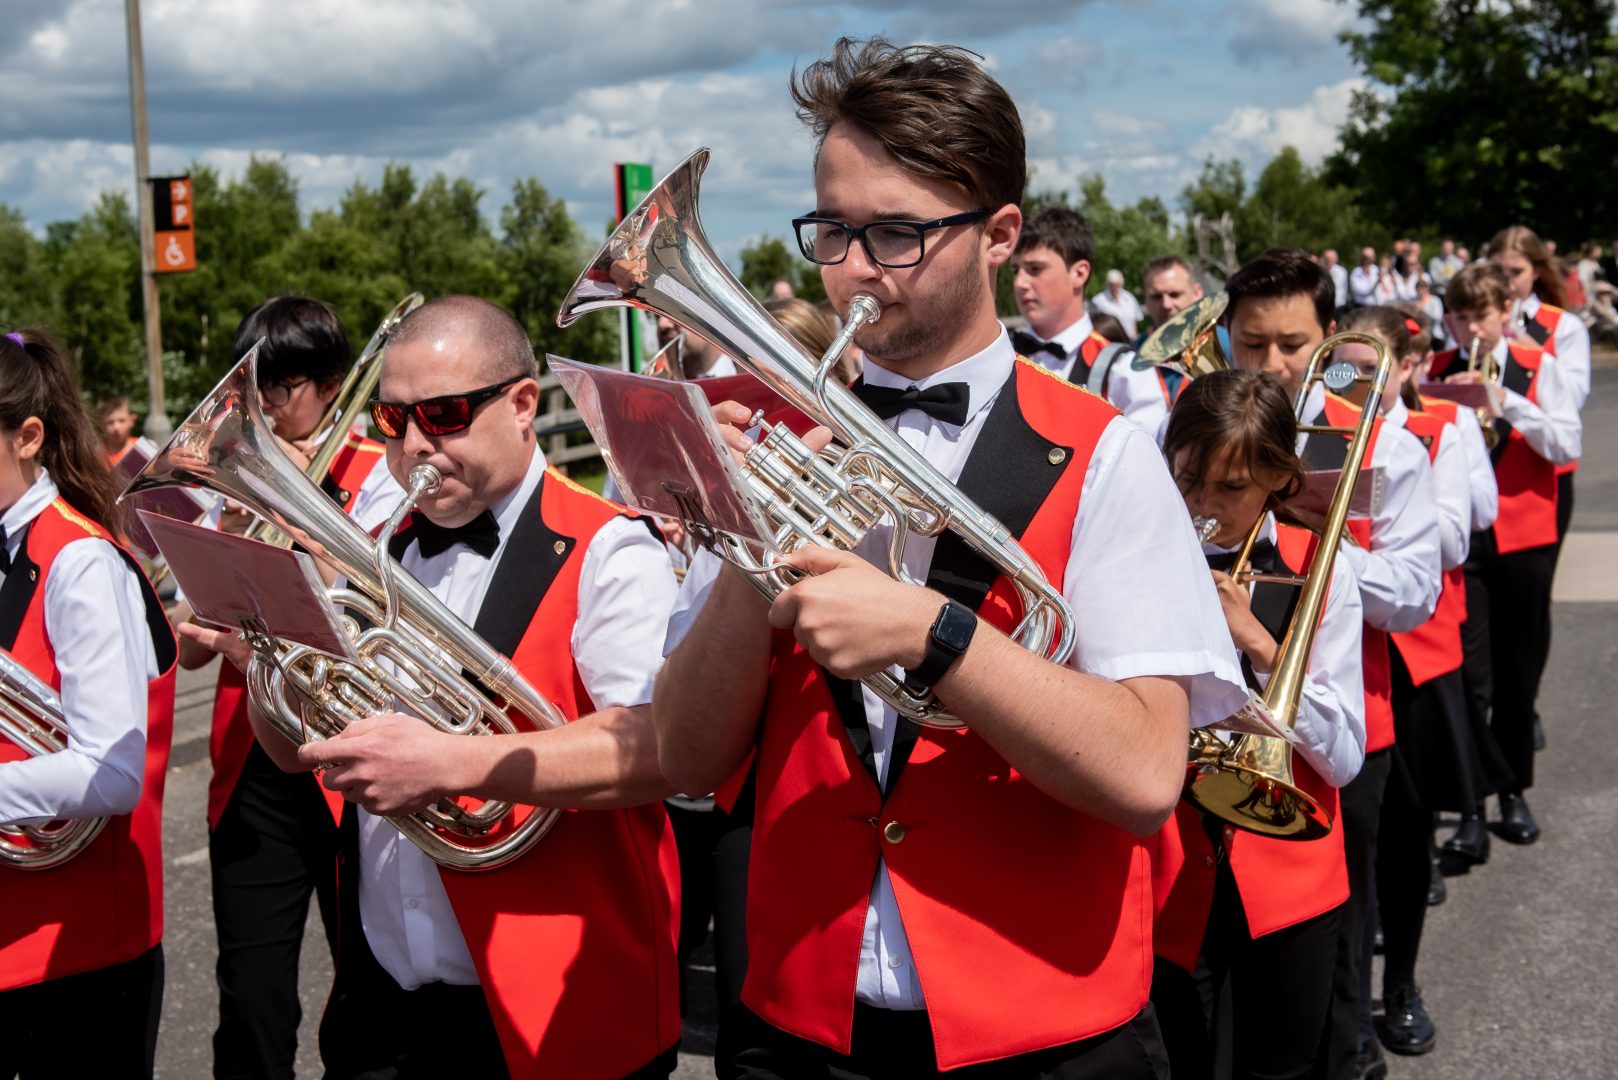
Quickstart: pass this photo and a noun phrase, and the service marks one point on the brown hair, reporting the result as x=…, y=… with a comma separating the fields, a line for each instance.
x=932, y=107
x=109, y=405
x=1244, y=410
x=37, y=380
x=1525, y=242
x=1062, y=229
x=1480, y=286
x=1388, y=323
x=803, y=321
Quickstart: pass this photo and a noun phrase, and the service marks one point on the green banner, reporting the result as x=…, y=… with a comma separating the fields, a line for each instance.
x=632, y=182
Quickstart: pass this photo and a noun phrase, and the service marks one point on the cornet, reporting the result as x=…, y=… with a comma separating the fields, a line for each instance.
x=658, y=260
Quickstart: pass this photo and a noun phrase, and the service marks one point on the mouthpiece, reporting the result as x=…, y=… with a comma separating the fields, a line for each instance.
x=424, y=480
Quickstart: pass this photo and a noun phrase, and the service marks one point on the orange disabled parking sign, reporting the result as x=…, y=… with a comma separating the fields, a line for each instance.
x=171, y=217
x=176, y=252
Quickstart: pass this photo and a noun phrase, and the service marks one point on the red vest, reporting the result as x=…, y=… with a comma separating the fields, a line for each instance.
x=231, y=736
x=1434, y=648
x=575, y=941
x=1281, y=882
x=1029, y=922
x=1542, y=330
x=104, y=906
x=1376, y=667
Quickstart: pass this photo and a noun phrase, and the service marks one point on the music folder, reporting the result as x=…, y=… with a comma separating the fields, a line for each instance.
x=181, y=503
x=236, y=583
x=1320, y=485
x=661, y=444
x=1467, y=395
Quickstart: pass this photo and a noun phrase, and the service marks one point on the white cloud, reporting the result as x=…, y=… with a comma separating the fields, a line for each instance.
x=1288, y=30
x=1254, y=134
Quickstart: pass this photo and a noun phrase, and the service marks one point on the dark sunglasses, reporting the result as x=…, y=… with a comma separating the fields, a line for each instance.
x=436, y=416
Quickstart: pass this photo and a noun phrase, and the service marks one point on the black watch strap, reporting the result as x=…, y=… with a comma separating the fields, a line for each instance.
x=951, y=633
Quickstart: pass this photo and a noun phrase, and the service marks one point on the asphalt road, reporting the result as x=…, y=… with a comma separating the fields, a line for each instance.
x=1515, y=966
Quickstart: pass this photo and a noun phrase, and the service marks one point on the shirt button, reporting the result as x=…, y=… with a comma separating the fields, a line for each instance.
x=412, y=903
x=1210, y=862
x=896, y=962
x=893, y=832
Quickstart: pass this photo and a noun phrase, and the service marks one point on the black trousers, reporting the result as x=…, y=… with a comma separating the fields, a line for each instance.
x=274, y=846
x=1516, y=592
x=1359, y=818
x=890, y=1044
x=714, y=849
x=100, y=1023
x=1275, y=989
x=1564, y=518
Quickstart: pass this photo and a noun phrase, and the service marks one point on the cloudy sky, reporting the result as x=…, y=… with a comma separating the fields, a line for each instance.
x=1137, y=90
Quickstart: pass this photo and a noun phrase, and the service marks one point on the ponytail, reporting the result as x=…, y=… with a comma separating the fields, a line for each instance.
x=36, y=380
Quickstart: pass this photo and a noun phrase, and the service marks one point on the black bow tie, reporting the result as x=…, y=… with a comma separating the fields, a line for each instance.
x=945, y=402
x=481, y=534
x=5, y=553
x=1028, y=345
x=1262, y=558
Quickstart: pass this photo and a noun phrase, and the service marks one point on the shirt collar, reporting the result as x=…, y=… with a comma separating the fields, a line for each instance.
x=984, y=373
x=1530, y=306
x=1076, y=334
x=40, y=494
x=722, y=367
x=508, y=510
x=1501, y=351
x=1398, y=414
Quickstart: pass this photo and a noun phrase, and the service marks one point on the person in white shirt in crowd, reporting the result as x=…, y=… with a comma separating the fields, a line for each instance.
x=1339, y=277
x=560, y=963
x=1443, y=266
x=1364, y=278
x=1280, y=311
x=1430, y=305
x=1050, y=269
x=1119, y=302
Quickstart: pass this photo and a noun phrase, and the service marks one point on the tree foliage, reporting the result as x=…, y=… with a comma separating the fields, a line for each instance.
x=1481, y=113
x=82, y=281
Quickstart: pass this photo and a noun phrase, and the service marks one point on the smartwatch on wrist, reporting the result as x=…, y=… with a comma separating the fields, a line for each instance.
x=951, y=633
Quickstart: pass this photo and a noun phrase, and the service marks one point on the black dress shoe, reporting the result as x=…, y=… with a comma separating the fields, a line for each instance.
x=1470, y=841
x=1437, y=891
x=1539, y=734
x=1405, y=1028
x=1517, y=825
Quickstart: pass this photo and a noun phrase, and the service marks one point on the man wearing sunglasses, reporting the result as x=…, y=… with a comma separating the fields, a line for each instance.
x=272, y=840
x=562, y=962
x=922, y=900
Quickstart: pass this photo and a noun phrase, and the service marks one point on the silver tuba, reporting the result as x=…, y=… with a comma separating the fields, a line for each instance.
x=411, y=650
x=31, y=717
x=658, y=260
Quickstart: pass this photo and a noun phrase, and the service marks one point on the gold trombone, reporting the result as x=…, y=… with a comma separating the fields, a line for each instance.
x=1247, y=780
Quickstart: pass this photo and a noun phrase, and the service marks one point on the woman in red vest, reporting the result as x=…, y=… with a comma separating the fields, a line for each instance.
x=1540, y=316
x=82, y=939
x=1515, y=560
x=1262, y=910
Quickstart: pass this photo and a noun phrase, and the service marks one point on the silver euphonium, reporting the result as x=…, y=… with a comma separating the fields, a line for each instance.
x=658, y=260
x=31, y=717
x=409, y=650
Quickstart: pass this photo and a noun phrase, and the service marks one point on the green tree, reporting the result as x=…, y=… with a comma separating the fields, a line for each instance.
x=1292, y=205
x=1484, y=113
x=768, y=259
x=95, y=262
x=26, y=299
x=542, y=249
x=1219, y=189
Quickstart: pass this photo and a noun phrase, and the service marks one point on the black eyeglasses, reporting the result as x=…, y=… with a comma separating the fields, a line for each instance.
x=893, y=244
x=436, y=416
x=277, y=394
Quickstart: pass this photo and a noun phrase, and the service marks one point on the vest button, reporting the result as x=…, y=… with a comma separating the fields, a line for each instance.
x=559, y=547
x=1211, y=861
x=893, y=832
x=1056, y=456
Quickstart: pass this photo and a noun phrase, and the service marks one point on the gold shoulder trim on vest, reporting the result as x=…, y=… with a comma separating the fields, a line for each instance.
x=1049, y=374
x=574, y=485
x=61, y=507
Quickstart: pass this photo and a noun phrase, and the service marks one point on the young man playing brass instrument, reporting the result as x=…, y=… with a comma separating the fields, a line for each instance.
x=924, y=900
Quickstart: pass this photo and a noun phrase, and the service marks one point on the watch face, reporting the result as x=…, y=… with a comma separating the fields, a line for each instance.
x=955, y=627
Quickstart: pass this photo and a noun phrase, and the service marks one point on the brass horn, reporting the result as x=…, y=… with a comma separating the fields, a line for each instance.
x=31, y=717
x=1190, y=339
x=1247, y=780
x=658, y=260
x=411, y=655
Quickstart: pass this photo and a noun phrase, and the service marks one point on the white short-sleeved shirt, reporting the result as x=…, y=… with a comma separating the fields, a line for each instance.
x=625, y=591
x=1139, y=395
x=1135, y=578
x=95, y=617
x=1572, y=340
